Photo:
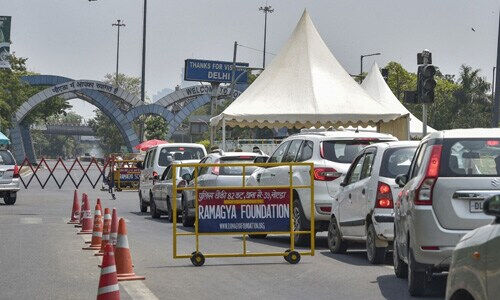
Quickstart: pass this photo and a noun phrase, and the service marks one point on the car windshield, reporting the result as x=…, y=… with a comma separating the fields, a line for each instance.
x=343, y=151
x=396, y=161
x=179, y=153
x=470, y=157
x=6, y=158
x=235, y=171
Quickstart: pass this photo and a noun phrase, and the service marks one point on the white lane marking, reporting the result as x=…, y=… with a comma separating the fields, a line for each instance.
x=138, y=290
x=30, y=220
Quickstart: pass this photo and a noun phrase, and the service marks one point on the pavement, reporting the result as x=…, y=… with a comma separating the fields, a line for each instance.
x=41, y=258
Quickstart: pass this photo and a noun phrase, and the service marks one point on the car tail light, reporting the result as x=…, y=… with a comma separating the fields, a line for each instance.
x=15, y=171
x=325, y=209
x=325, y=174
x=155, y=174
x=435, y=248
x=423, y=195
x=493, y=143
x=384, y=196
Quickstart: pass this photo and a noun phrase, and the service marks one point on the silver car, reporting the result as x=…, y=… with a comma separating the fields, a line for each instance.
x=451, y=174
x=161, y=192
x=9, y=177
x=216, y=176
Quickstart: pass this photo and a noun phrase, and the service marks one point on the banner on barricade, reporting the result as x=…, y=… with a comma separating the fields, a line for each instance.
x=130, y=174
x=243, y=210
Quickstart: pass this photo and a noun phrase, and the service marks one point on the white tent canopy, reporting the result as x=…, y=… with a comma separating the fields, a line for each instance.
x=305, y=86
x=375, y=85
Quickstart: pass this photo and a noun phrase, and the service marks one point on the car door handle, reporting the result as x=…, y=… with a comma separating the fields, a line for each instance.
x=363, y=191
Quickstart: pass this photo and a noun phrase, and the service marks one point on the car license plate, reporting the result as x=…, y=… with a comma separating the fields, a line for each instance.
x=476, y=206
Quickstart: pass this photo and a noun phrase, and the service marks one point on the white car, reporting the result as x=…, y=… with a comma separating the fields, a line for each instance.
x=451, y=174
x=161, y=202
x=155, y=162
x=475, y=265
x=9, y=177
x=363, y=208
x=332, y=152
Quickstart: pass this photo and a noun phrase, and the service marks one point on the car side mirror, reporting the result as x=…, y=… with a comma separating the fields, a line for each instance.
x=401, y=180
x=343, y=183
x=187, y=177
x=139, y=165
x=491, y=207
x=260, y=159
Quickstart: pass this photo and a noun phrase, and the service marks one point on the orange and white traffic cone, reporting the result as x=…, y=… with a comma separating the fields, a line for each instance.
x=124, y=267
x=87, y=218
x=100, y=206
x=105, y=232
x=96, y=241
x=81, y=214
x=108, y=284
x=75, y=211
x=113, y=234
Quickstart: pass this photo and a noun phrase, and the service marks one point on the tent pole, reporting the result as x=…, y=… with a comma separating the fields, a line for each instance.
x=223, y=135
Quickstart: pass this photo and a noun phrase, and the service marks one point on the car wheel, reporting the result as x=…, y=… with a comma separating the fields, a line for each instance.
x=300, y=223
x=170, y=214
x=417, y=280
x=400, y=267
x=335, y=242
x=375, y=255
x=155, y=214
x=143, y=206
x=187, y=221
x=9, y=199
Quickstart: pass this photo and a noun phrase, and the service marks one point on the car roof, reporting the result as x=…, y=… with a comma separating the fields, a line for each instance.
x=187, y=161
x=466, y=133
x=177, y=145
x=232, y=154
x=343, y=134
x=398, y=144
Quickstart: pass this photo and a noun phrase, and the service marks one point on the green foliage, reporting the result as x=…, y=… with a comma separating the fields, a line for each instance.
x=205, y=143
x=155, y=128
x=14, y=92
x=111, y=139
x=461, y=103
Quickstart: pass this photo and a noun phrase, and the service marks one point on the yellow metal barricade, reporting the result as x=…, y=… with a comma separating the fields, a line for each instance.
x=126, y=175
x=290, y=255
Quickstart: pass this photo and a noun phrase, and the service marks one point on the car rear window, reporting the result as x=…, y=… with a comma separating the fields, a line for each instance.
x=179, y=153
x=343, y=151
x=235, y=171
x=396, y=161
x=6, y=158
x=470, y=158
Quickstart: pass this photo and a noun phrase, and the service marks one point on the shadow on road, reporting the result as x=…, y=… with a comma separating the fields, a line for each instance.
x=394, y=288
x=138, y=213
x=207, y=264
x=284, y=241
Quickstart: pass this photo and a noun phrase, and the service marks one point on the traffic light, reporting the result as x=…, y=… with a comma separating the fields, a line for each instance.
x=426, y=83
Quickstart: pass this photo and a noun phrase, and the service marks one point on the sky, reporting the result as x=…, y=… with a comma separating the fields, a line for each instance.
x=74, y=38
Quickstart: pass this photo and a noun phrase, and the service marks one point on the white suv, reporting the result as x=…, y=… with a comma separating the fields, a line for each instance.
x=332, y=152
x=363, y=208
x=155, y=162
x=451, y=174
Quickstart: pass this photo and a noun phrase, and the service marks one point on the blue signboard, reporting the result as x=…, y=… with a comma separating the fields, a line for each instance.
x=243, y=210
x=213, y=71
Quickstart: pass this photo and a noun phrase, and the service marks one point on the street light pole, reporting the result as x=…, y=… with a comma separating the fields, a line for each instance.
x=266, y=9
x=361, y=65
x=117, y=24
x=143, y=71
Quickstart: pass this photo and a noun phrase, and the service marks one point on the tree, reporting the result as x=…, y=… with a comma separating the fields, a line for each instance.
x=155, y=128
x=14, y=92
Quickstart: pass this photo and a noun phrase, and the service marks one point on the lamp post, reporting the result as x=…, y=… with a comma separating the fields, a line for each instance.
x=143, y=71
x=266, y=9
x=118, y=24
x=363, y=56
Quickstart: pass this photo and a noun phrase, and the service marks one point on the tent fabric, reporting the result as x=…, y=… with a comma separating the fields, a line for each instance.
x=375, y=85
x=304, y=86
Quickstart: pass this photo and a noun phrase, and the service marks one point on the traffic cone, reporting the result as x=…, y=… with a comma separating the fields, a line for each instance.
x=105, y=232
x=81, y=215
x=124, y=267
x=108, y=283
x=75, y=211
x=100, y=206
x=96, y=241
x=87, y=218
x=113, y=235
